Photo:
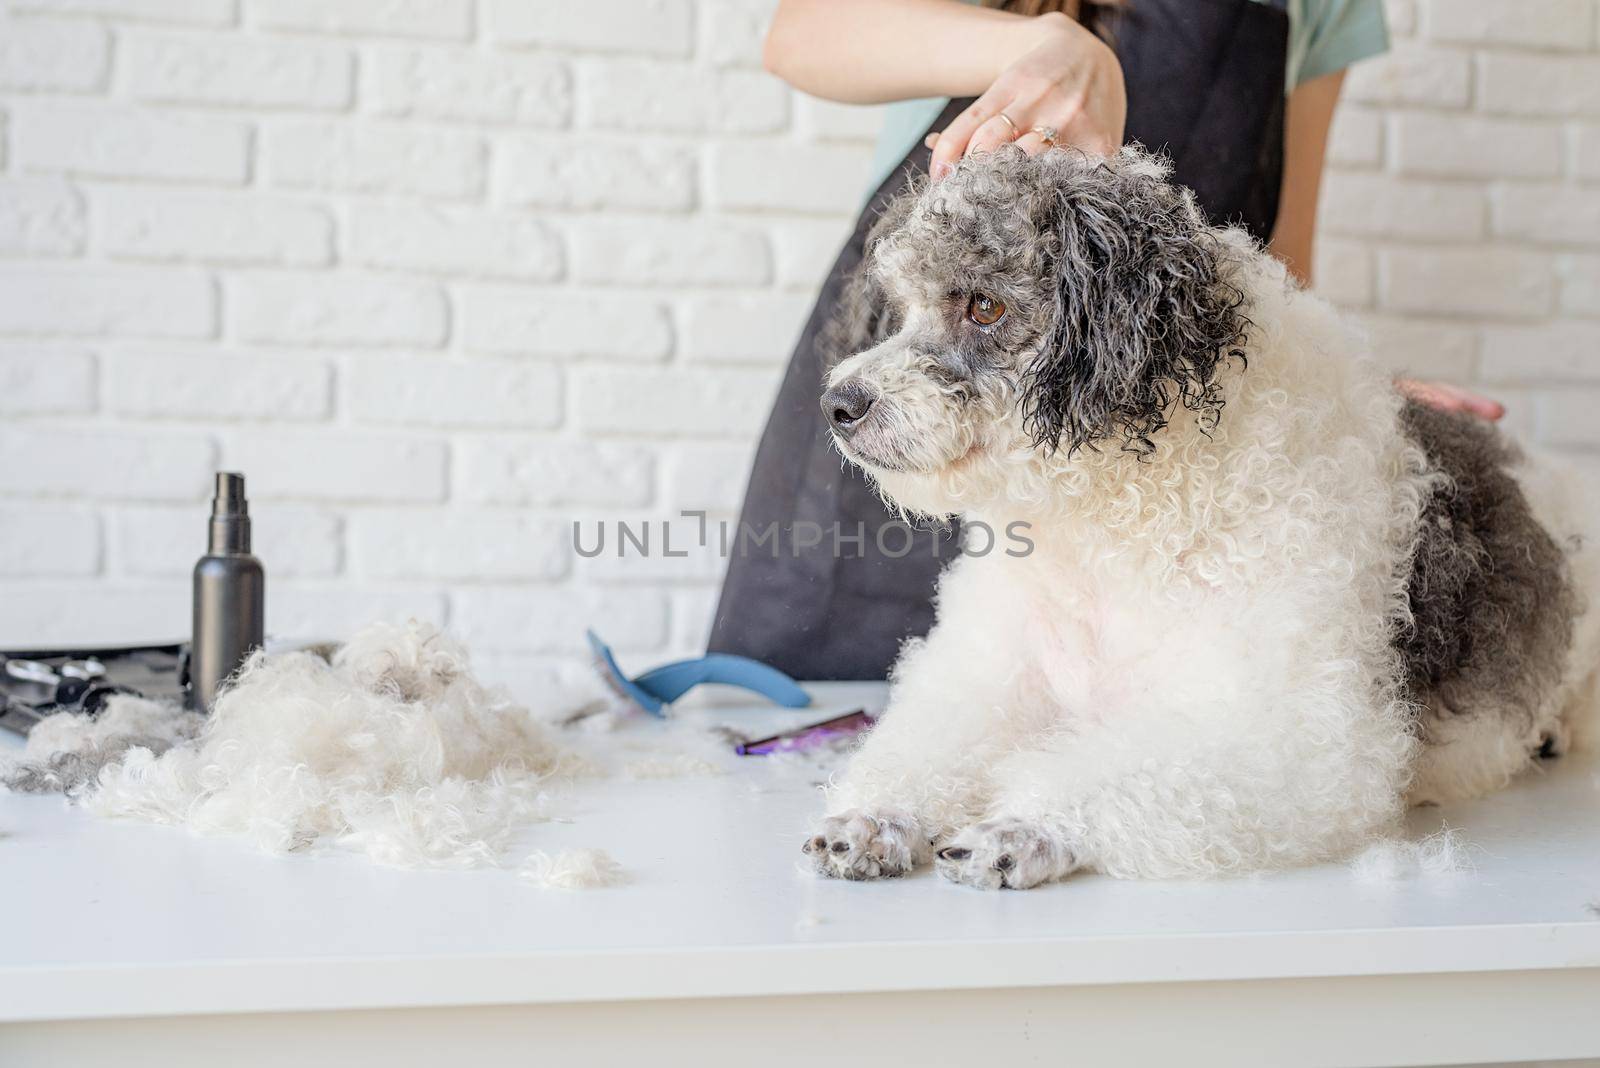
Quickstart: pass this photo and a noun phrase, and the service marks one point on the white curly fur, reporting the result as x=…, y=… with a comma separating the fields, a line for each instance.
x=1193, y=672
x=393, y=750
x=66, y=751
x=572, y=869
x=1388, y=859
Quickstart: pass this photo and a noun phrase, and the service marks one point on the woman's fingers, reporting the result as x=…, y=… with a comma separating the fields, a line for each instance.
x=1483, y=407
x=994, y=132
x=1431, y=395
x=952, y=143
x=1088, y=138
x=954, y=138
x=1032, y=143
x=1000, y=130
x=983, y=127
x=1076, y=129
x=1449, y=398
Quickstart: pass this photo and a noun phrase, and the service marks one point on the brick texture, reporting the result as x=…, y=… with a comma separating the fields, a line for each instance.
x=447, y=19
x=160, y=224
x=111, y=141
x=653, y=98
x=373, y=158
x=310, y=309
x=540, y=471
x=654, y=27
x=205, y=385
x=828, y=179
x=439, y=392
x=225, y=69
x=40, y=380
x=343, y=467
x=40, y=217
x=615, y=173
x=650, y=252
x=514, y=321
x=1563, y=24
x=468, y=546
x=445, y=276
x=48, y=540
x=443, y=241
x=196, y=12
x=460, y=83
x=179, y=302
x=50, y=56
x=302, y=541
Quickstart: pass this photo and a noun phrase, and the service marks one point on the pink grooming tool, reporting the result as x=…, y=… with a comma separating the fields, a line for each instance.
x=810, y=737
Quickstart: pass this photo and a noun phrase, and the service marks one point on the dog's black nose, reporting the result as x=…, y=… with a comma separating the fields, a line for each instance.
x=846, y=405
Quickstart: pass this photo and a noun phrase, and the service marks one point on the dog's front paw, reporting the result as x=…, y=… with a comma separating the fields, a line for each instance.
x=1007, y=854
x=878, y=844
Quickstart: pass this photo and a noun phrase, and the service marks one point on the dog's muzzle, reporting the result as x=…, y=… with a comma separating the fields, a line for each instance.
x=846, y=406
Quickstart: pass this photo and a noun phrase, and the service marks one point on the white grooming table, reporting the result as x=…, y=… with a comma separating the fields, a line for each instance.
x=132, y=944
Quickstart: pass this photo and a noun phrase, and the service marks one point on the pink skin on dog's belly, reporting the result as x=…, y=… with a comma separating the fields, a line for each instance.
x=1096, y=657
x=1075, y=654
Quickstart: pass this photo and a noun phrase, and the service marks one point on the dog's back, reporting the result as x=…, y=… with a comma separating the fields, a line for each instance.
x=1494, y=652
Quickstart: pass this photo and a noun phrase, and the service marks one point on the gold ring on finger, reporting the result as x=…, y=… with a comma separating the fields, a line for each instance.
x=1015, y=133
x=1047, y=134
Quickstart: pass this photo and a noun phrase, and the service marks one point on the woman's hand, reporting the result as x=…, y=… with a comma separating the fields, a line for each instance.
x=1448, y=398
x=1069, y=81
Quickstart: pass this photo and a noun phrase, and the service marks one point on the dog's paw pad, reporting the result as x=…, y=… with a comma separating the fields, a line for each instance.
x=1007, y=854
x=866, y=845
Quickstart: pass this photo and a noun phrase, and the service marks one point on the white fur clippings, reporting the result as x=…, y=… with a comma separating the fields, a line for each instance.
x=670, y=766
x=393, y=750
x=572, y=869
x=1388, y=859
x=65, y=752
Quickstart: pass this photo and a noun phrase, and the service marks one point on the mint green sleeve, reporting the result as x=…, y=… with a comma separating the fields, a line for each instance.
x=1335, y=34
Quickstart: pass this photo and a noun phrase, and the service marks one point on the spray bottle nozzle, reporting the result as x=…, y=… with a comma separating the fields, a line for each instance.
x=229, y=498
x=230, y=515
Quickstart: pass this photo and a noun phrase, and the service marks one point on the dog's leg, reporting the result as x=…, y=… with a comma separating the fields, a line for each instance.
x=1195, y=791
x=919, y=774
x=954, y=707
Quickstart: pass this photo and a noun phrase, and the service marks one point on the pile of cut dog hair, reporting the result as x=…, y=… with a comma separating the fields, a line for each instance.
x=392, y=749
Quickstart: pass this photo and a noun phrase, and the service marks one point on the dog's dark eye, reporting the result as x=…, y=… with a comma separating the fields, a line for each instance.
x=985, y=310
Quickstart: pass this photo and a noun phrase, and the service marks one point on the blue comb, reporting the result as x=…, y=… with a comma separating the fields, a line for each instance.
x=661, y=686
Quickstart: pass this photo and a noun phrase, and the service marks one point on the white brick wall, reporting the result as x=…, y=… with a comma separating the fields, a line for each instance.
x=443, y=276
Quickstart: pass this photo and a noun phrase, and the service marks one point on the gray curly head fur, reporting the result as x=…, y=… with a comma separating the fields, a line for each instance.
x=1115, y=283
x=864, y=315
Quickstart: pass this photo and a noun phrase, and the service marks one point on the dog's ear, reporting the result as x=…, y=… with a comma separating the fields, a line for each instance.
x=863, y=314
x=1144, y=306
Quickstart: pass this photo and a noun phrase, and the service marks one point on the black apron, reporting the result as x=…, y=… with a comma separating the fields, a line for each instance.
x=822, y=581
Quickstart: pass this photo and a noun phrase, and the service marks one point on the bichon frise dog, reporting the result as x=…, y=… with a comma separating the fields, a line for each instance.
x=1269, y=603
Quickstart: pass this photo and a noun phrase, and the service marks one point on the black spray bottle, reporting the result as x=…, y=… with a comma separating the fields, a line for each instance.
x=230, y=596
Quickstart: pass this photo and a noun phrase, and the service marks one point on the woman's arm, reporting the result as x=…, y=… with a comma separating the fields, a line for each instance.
x=1039, y=81
x=1305, y=144
x=874, y=51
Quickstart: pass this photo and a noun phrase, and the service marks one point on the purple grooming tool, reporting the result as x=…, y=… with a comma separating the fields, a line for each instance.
x=809, y=737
